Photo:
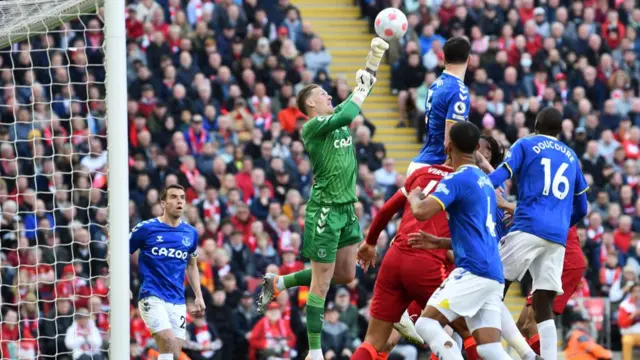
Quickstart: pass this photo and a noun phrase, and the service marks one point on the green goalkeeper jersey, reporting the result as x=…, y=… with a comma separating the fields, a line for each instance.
x=328, y=141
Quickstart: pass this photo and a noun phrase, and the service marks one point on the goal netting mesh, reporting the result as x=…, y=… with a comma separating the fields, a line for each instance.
x=53, y=172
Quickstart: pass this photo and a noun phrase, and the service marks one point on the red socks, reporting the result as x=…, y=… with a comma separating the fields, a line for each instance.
x=414, y=310
x=534, y=342
x=365, y=351
x=470, y=348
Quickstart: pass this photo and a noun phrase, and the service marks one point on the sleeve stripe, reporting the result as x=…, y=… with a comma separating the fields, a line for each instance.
x=404, y=191
x=451, y=120
x=438, y=200
x=508, y=168
x=583, y=191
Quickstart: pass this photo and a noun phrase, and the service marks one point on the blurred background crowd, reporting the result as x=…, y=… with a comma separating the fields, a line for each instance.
x=212, y=87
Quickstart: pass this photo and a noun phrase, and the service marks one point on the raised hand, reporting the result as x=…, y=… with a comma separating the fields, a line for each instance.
x=378, y=47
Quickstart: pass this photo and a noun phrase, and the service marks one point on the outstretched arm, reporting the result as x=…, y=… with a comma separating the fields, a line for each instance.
x=382, y=218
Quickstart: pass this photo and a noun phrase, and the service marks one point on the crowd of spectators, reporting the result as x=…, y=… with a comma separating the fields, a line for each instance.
x=211, y=88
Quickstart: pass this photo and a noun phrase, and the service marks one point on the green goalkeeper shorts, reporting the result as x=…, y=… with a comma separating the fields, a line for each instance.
x=328, y=228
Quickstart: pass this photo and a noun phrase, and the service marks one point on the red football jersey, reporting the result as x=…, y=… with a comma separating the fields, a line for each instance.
x=573, y=256
x=426, y=178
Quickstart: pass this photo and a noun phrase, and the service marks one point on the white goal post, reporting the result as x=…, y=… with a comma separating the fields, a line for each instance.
x=23, y=23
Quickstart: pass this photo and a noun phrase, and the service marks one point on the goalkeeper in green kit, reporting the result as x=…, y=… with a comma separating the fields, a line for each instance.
x=331, y=229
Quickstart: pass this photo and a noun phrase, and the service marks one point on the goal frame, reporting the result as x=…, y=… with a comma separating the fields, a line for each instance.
x=118, y=178
x=32, y=17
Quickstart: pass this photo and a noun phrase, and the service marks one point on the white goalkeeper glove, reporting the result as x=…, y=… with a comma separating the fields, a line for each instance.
x=378, y=47
x=364, y=83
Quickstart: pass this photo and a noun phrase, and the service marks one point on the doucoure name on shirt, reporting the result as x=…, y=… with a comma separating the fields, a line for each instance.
x=548, y=144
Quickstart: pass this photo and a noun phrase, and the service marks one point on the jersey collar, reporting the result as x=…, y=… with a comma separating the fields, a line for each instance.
x=547, y=136
x=452, y=75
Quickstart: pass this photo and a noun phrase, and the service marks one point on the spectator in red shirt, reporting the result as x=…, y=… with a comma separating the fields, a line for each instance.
x=271, y=336
x=290, y=263
x=623, y=235
x=610, y=272
x=534, y=40
x=629, y=322
x=242, y=221
x=631, y=145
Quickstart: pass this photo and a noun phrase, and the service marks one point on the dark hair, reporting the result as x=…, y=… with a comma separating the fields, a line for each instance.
x=549, y=122
x=303, y=95
x=497, y=151
x=464, y=137
x=163, y=196
x=457, y=50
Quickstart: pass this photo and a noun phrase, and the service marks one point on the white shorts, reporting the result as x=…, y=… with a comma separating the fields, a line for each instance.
x=543, y=259
x=477, y=299
x=413, y=166
x=160, y=315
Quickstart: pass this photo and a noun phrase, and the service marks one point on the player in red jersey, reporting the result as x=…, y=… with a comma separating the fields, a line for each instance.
x=572, y=272
x=407, y=274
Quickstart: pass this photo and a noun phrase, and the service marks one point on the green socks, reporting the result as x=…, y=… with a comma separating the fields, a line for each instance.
x=315, y=318
x=300, y=278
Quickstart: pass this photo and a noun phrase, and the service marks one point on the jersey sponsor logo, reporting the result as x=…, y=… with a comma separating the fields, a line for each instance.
x=460, y=107
x=186, y=241
x=159, y=238
x=343, y=143
x=169, y=252
x=322, y=222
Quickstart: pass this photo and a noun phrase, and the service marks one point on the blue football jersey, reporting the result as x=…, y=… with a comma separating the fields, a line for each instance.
x=470, y=201
x=164, y=253
x=549, y=176
x=447, y=100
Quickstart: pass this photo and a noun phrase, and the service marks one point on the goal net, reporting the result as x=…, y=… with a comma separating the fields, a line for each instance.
x=53, y=179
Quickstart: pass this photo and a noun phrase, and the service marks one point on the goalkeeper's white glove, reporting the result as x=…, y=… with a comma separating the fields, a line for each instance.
x=364, y=83
x=378, y=47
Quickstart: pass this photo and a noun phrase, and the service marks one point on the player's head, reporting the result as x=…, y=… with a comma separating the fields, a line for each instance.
x=463, y=140
x=173, y=200
x=456, y=51
x=492, y=150
x=313, y=101
x=549, y=122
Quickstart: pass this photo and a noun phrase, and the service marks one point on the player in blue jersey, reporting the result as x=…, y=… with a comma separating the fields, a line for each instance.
x=474, y=289
x=447, y=103
x=551, y=199
x=493, y=152
x=167, y=247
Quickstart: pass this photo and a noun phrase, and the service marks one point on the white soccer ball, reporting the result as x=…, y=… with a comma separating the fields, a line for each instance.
x=391, y=24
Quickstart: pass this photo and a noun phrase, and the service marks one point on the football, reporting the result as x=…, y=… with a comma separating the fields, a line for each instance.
x=391, y=24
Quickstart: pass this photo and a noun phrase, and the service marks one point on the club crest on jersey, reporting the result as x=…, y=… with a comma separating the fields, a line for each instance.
x=186, y=241
x=322, y=253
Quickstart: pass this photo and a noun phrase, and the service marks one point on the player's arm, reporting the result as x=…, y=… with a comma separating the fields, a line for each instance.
x=424, y=240
x=424, y=208
x=459, y=105
x=193, y=275
x=344, y=114
x=384, y=215
x=510, y=166
x=580, y=202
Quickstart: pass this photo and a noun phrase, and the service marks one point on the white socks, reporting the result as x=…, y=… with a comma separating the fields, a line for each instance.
x=548, y=339
x=440, y=343
x=493, y=351
x=316, y=354
x=513, y=336
x=165, y=357
x=280, y=284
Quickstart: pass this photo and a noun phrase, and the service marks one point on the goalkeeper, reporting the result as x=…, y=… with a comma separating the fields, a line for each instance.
x=331, y=229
